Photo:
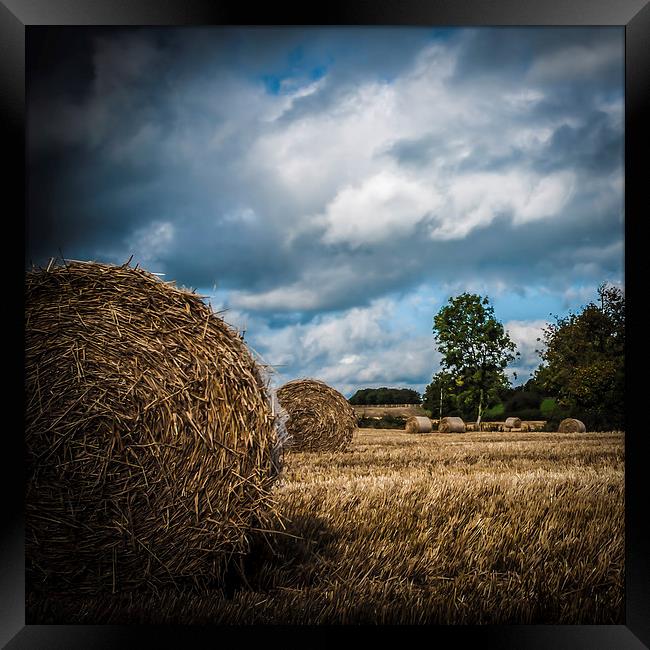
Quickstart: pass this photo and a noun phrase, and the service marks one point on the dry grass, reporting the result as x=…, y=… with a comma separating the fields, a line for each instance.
x=474, y=528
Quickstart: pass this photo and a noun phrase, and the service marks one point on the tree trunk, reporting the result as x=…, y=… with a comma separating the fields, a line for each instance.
x=480, y=410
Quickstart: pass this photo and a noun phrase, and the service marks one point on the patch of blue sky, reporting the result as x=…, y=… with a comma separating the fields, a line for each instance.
x=291, y=81
x=300, y=68
x=415, y=310
x=445, y=33
x=280, y=320
x=318, y=72
x=272, y=83
x=528, y=305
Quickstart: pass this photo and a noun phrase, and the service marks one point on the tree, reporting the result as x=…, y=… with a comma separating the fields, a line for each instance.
x=583, y=360
x=439, y=396
x=475, y=350
x=368, y=396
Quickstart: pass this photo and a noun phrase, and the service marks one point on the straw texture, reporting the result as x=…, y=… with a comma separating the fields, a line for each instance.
x=320, y=418
x=571, y=425
x=151, y=438
x=451, y=425
x=418, y=424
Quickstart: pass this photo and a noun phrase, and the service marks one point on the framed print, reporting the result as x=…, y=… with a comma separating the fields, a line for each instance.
x=330, y=320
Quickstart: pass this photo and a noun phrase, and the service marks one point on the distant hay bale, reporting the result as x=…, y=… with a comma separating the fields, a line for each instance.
x=152, y=438
x=513, y=423
x=320, y=418
x=418, y=424
x=571, y=425
x=451, y=425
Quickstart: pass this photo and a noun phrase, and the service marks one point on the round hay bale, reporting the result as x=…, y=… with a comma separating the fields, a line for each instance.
x=571, y=425
x=513, y=423
x=320, y=418
x=451, y=425
x=151, y=436
x=418, y=424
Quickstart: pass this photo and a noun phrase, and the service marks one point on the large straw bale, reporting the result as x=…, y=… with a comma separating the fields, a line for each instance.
x=320, y=418
x=513, y=423
x=571, y=425
x=418, y=424
x=152, y=438
x=451, y=425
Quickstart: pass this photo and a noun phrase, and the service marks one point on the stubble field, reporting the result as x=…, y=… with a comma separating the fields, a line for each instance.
x=474, y=528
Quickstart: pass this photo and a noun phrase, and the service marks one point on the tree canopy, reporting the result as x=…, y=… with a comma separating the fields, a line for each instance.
x=369, y=396
x=475, y=350
x=583, y=360
x=439, y=397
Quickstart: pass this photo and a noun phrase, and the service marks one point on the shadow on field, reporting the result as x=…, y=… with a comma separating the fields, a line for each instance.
x=289, y=557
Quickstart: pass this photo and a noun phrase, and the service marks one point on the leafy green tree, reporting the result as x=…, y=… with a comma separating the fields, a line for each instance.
x=583, y=361
x=468, y=392
x=522, y=400
x=475, y=350
x=440, y=395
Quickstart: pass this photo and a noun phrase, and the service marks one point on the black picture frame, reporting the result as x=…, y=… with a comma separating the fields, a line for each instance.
x=16, y=16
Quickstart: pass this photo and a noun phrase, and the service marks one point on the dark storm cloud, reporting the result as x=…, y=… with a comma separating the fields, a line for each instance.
x=501, y=54
x=59, y=62
x=118, y=121
x=595, y=146
x=191, y=149
x=353, y=56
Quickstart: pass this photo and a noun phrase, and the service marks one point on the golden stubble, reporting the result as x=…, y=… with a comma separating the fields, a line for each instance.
x=474, y=528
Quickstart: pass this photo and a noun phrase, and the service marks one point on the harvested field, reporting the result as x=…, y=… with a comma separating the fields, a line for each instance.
x=472, y=528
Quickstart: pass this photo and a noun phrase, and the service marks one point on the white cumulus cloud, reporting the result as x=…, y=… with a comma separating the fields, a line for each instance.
x=386, y=205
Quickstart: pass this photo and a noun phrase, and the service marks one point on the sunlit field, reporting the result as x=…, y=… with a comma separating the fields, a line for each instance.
x=474, y=528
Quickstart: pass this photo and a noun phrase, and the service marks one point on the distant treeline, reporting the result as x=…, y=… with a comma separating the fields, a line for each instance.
x=369, y=396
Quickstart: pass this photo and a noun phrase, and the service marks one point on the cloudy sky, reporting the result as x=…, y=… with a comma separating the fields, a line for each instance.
x=332, y=188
